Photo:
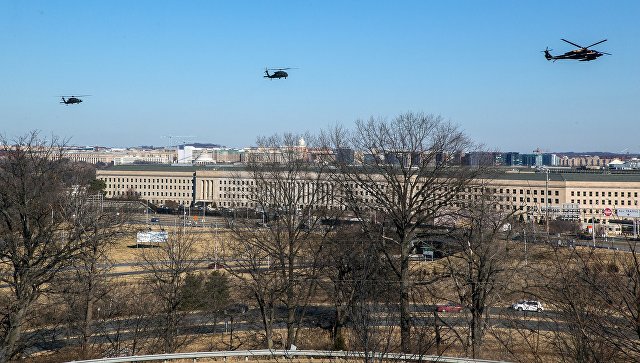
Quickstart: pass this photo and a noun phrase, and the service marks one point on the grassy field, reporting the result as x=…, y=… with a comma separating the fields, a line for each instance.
x=208, y=241
x=499, y=343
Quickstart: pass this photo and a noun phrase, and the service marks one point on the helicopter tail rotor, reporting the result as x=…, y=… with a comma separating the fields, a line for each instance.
x=547, y=53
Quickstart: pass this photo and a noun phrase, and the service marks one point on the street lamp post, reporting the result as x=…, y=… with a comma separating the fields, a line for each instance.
x=635, y=221
x=524, y=233
x=593, y=227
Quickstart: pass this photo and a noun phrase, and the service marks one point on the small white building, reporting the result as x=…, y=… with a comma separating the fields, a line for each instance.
x=630, y=164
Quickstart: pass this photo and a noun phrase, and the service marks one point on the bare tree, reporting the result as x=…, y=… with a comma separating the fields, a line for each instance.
x=595, y=297
x=47, y=220
x=484, y=262
x=281, y=257
x=372, y=315
x=353, y=276
x=577, y=317
x=262, y=285
x=126, y=319
x=167, y=266
x=623, y=293
x=407, y=174
x=208, y=293
x=88, y=282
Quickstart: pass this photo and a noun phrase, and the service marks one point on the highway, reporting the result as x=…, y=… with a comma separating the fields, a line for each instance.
x=242, y=319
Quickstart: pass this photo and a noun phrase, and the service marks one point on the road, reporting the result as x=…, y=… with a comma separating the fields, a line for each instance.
x=239, y=318
x=173, y=220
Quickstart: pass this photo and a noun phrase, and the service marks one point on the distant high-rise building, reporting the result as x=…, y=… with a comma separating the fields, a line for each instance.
x=512, y=159
x=345, y=155
x=368, y=159
x=550, y=160
x=531, y=159
x=392, y=158
x=478, y=158
x=415, y=159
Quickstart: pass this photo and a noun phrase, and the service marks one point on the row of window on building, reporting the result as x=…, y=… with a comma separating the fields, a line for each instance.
x=130, y=192
x=149, y=180
x=608, y=194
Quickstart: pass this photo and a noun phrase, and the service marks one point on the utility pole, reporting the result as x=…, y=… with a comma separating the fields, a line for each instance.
x=546, y=202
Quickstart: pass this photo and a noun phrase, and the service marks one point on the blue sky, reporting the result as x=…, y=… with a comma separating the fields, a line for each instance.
x=157, y=68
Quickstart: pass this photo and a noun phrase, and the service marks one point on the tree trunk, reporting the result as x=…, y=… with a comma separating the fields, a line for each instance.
x=290, y=327
x=336, y=332
x=436, y=329
x=405, y=302
x=267, y=321
x=16, y=319
x=291, y=303
x=269, y=337
x=88, y=315
x=86, y=326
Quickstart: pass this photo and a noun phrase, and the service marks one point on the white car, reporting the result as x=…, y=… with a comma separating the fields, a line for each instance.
x=528, y=305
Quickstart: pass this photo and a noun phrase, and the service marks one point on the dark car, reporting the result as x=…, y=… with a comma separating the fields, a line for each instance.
x=155, y=220
x=449, y=307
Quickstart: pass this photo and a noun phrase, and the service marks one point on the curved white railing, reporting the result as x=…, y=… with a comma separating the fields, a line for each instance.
x=264, y=353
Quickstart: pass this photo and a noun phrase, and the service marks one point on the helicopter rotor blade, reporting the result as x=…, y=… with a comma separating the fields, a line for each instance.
x=602, y=41
x=605, y=53
x=579, y=46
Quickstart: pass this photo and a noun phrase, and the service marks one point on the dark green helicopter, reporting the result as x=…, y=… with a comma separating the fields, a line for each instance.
x=70, y=100
x=583, y=54
x=279, y=73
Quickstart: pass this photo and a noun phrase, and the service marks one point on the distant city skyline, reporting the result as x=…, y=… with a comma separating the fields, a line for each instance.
x=200, y=144
x=155, y=69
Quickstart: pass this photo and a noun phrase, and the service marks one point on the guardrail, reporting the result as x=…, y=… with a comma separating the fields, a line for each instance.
x=265, y=353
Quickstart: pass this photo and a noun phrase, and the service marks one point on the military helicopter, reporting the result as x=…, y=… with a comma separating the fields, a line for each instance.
x=584, y=54
x=279, y=73
x=70, y=100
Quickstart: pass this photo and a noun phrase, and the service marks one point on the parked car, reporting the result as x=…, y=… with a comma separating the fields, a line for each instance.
x=155, y=220
x=449, y=307
x=528, y=305
x=216, y=266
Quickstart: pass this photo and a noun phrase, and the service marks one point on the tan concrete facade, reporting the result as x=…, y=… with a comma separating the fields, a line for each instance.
x=592, y=194
x=577, y=196
x=157, y=185
x=224, y=188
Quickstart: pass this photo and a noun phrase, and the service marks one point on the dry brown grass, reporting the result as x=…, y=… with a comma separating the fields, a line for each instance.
x=499, y=344
x=208, y=240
